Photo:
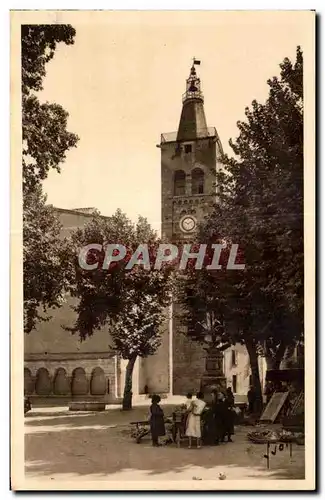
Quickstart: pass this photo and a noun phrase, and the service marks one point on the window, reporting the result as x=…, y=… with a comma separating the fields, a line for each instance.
x=234, y=383
x=233, y=358
x=188, y=148
x=179, y=183
x=197, y=181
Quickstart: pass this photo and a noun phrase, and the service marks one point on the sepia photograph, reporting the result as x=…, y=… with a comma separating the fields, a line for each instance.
x=162, y=208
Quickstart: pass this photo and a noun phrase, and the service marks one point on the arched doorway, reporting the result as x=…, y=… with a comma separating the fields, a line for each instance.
x=79, y=383
x=28, y=382
x=43, y=382
x=61, y=385
x=98, y=382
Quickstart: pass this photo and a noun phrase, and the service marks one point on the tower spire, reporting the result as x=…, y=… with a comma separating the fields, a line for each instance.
x=192, y=123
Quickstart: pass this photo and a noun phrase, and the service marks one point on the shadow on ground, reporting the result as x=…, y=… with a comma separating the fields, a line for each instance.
x=99, y=444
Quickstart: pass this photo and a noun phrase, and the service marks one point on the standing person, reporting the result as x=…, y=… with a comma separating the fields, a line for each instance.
x=251, y=398
x=180, y=416
x=230, y=415
x=230, y=397
x=219, y=417
x=188, y=404
x=193, y=424
x=157, y=422
x=222, y=416
x=209, y=430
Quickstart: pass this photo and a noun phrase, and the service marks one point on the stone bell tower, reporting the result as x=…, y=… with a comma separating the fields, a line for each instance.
x=190, y=159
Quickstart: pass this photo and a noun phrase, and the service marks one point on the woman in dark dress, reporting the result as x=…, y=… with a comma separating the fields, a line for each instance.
x=220, y=417
x=229, y=420
x=209, y=435
x=215, y=417
x=157, y=422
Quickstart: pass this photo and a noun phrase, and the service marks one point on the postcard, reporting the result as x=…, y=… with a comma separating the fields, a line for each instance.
x=162, y=212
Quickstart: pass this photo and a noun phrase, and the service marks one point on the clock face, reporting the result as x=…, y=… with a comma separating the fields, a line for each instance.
x=187, y=223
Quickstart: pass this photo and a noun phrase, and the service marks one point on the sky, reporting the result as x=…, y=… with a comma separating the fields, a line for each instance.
x=122, y=83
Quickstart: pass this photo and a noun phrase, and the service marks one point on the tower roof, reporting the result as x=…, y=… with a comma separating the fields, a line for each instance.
x=192, y=124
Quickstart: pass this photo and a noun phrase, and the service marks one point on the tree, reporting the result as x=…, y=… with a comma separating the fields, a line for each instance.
x=262, y=192
x=45, y=137
x=260, y=207
x=45, y=143
x=46, y=260
x=130, y=302
x=137, y=332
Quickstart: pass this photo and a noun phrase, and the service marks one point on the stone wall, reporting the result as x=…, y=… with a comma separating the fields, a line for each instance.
x=51, y=337
x=188, y=357
x=72, y=220
x=156, y=368
x=71, y=376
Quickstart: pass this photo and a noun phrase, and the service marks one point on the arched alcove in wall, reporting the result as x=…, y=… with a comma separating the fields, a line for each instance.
x=29, y=385
x=61, y=386
x=98, y=382
x=43, y=384
x=79, y=382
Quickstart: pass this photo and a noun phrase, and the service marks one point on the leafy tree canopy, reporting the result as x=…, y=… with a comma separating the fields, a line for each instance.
x=44, y=125
x=45, y=143
x=109, y=294
x=130, y=302
x=46, y=259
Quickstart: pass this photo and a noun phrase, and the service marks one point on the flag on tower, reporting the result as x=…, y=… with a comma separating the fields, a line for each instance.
x=196, y=61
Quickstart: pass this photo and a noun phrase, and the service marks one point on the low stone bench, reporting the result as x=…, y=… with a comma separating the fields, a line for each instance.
x=87, y=406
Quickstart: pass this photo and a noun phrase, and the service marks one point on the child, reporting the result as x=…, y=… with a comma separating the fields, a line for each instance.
x=157, y=422
x=193, y=425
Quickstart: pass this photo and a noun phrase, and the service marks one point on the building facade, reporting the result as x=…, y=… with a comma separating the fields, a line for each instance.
x=57, y=364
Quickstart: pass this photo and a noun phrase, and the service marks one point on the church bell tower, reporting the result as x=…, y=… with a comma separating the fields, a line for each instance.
x=190, y=158
x=189, y=162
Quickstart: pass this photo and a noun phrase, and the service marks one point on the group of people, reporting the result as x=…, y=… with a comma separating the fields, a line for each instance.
x=218, y=424
x=210, y=424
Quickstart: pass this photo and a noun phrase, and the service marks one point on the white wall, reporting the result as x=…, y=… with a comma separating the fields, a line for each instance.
x=241, y=369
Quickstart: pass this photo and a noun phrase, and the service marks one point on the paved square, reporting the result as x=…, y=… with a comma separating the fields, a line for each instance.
x=63, y=445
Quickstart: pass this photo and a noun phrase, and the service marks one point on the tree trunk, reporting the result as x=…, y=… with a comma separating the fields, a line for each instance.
x=127, y=396
x=256, y=382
